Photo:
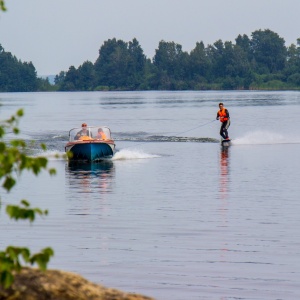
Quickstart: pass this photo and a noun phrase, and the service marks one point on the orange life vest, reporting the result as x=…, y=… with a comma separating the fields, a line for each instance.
x=101, y=135
x=222, y=115
x=85, y=138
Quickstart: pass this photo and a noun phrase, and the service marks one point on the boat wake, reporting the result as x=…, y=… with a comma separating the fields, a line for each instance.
x=265, y=138
x=124, y=154
x=51, y=154
x=127, y=154
x=162, y=138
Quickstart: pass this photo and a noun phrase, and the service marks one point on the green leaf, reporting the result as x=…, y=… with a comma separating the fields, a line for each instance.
x=26, y=254
x=16, y=212
x=2, y=147
x=16, y=130
x=6, y=279
x=20, y=113
x=2, y=5
x=9, y=182
x=43, y=146
x=42, y=161
x=42, y=258
x=25, y=203
x=52, y=171
x=2, y=132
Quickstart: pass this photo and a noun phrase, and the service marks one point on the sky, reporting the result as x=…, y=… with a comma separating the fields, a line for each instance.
x=57, y=34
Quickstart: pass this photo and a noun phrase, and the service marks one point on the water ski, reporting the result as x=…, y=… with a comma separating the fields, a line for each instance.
x=225, y=143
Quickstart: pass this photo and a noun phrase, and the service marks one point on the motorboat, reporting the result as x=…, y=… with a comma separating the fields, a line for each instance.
x=90, y=143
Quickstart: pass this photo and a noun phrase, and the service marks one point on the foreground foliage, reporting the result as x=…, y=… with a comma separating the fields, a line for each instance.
x=2, y=5
x=13, y=161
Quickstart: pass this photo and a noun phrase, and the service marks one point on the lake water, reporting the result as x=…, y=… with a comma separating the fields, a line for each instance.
x=172, y=215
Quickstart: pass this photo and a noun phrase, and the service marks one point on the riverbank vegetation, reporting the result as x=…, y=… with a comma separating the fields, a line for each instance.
x=260, y=62
x=13, y=162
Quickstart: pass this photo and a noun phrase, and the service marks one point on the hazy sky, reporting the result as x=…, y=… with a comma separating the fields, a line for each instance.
x=55, y=34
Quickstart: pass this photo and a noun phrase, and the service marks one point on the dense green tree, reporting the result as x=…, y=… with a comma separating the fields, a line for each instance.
x=44, y=85
x=120, y=64
x=215, y=54
x=293, y=58
x=28, y=77
x=152, y=79
x=236, y=64
x=268, y=50
x=87, y=76
x=229, y=64
x=111, y=63
x=16, y=76
x=59, y=79
x=71, y=81
x=81, y=79
x=137, y=64
x=292, y=70
x=171, y=65
x=200, y=65
x=244, y=43
x=168, y=57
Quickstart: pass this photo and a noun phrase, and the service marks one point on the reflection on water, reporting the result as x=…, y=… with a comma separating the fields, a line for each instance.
x=90, y=177
x=224, y=172
x=224, y=195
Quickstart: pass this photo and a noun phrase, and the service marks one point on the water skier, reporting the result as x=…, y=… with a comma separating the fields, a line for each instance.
x=223, y=116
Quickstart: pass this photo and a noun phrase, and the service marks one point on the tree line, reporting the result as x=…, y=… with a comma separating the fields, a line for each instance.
x=261, y=61
x=18, y=76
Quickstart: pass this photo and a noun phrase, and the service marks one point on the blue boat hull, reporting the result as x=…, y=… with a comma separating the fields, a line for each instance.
x=90, y=151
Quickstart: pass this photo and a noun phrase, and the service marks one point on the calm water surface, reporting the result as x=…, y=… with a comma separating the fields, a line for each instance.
x=172, y=215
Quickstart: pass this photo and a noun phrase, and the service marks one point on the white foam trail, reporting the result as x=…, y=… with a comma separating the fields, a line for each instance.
x=52, y=155
x=57, y=136
x=265, y=138
x=132, y=154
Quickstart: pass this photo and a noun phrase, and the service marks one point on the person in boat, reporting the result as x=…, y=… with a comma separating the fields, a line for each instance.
x=101, y=135
x=83, y=132
x=223, y=116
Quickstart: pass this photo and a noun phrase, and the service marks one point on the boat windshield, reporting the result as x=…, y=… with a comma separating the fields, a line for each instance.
x=89, y=133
